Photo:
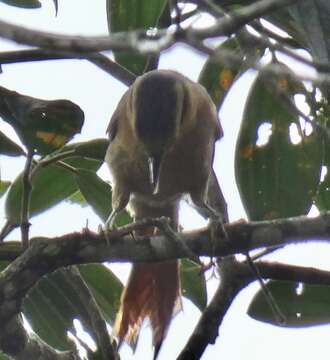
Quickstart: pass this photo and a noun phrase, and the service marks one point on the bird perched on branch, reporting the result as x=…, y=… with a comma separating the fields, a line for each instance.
x=162, y=137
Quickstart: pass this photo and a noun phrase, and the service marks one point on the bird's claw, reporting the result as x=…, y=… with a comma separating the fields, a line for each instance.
x=106, y=230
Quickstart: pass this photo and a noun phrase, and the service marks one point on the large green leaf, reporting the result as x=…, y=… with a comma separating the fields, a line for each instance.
x=51, y=185
x=218, y=78
x=128, y=15
x=4, y=357
x=283, y=19
x=27, y=4
x=53, y=304
x=4, y=185
x=312, y=18
x=301, y=304
x=42, y=125
x=3, y=264
x=105, y=287
x=276, y=178
x=77, y=198
x=98, y=194
x=94, y=149
x=323, y=194
x=8, y=147
x=193, y=284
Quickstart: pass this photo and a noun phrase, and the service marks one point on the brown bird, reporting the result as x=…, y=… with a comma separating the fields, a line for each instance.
x=162, y=138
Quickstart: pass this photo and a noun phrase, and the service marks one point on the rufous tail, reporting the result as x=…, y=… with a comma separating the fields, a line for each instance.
x=153, y=291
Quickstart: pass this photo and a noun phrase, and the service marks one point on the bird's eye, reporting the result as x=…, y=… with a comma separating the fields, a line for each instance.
x=43, y=115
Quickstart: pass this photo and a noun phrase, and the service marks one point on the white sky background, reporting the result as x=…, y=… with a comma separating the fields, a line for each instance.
x=98, y=93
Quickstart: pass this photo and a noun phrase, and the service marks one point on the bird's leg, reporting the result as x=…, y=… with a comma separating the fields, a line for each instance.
x=216, y=222
x=110, y=223
x=119, y=201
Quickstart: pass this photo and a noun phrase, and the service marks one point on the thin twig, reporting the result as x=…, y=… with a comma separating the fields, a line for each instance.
x=138, y=41
x=50, y=160
x=103, y=62
x=66, y=166
x=238, y=18
x=234, y=277
x=26, y=197
x=265, y=252
x=278, y=315
x=163, y=224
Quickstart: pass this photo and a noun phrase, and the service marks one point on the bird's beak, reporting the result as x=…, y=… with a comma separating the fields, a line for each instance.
x=151, y=164
x=154, y=167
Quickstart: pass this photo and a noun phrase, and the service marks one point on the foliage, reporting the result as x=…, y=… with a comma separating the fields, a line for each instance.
x=278, y=159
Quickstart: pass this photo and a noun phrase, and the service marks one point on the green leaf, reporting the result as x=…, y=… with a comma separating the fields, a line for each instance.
x=51, y=185
x=276, y=178
x=283, y=19
x=322, y=200
x=94, y=149
x=312, y=18
x=42, y=125
x=218, y=78
x=4, y=264
x=77, y=198
x=8, y=147
x=98, y=194
x=302, y=306
x=27, y=4
x=105, y=287
x=4, y=185
x=52, y=305
x=127, y=15
x=4, y=357
x=193, y=284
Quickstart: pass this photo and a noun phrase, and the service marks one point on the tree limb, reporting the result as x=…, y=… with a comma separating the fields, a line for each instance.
x=26, y=196
x=234, y=277
x=138, y=41
x=46, y=255
x=103, y=62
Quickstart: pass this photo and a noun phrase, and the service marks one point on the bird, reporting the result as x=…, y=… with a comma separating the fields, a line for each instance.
x=162, y=138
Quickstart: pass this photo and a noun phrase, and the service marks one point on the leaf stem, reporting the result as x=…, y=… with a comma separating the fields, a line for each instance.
x=26, y=197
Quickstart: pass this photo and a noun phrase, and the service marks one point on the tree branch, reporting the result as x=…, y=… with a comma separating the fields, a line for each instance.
x=234, y=277
x=242, y=237
x=237, y=19
x=110, y=67
x=26, y=196
x=46, y=255
x=138, y=41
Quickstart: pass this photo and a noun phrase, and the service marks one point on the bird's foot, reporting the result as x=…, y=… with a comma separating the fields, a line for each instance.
x=106, y=231
x=217, y=231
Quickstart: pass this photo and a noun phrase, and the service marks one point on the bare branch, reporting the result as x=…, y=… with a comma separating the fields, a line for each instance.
x=26, y=196
x=237, y=19
x=234, y=277
x=138, y=41
x=46, y=255
x=112, y=68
